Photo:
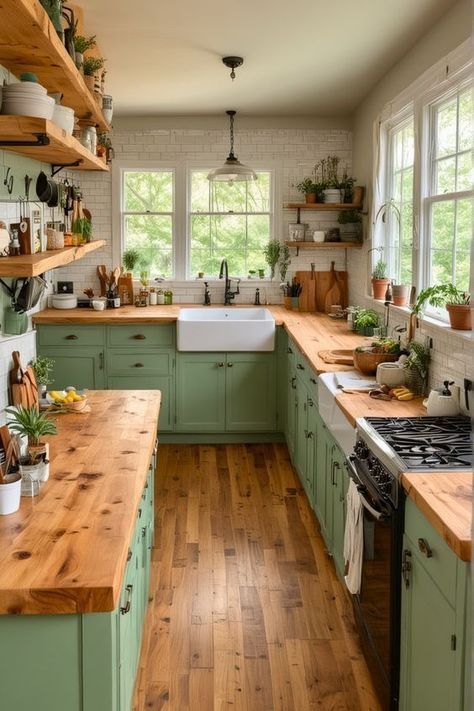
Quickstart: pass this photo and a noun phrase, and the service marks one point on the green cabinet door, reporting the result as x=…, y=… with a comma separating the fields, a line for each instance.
x=428, y=660
x=301, y=428
x=282, y=378
x=200, y=392
x=341, y=483
x=290, y=431
x=81, y=366
x=321, y=482
x=250, y=393
x=311, y=448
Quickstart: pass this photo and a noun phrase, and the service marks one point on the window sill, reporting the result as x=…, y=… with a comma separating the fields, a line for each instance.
x=433, y=324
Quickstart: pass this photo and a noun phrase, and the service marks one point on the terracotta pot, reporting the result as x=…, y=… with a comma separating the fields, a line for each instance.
x=379, y=287
x=400, y=294
x=310, y=197
x=460, y=316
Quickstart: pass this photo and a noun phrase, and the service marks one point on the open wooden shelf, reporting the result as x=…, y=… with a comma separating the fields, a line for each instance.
x=62, y=148
x=323, y=245
x=322, y=206
x=28, y=265
x=29, y=43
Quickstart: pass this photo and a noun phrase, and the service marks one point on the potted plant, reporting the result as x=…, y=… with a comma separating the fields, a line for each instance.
x=30, y=422
x=284, y=262
x=365, y=320
x=380, y=280
x=457, y=303
x=309, y=189
x=416, y=367
x=130, y=259
x=383, y=350
x=272, y=255
x=91, y=67
x=329, y=169
x=350, y=222
x=42, y=367
x=400, y=293
x=81, y=45
x=347, y=186
x=10, y=481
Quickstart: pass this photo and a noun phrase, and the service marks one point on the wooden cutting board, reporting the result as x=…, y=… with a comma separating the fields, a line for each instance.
x=308, y=293
x=342, y=357
x=23, y=386
x=333, y=294
x=324, y=283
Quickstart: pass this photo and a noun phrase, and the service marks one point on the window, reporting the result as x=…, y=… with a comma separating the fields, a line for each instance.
x=399, y=221
x=448, y=203
x=147, y=218
x=231, y=220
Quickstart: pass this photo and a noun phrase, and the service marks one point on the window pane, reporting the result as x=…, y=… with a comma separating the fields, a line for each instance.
x=442, y=226
x=148, y=191
x=397, y=150
x=229, y=233
x=228, y=197
x=464, y=225
x=199, y=192
x=442, y=267
x=201, y=232
x=258, y=197
x=151, y=235
x=408, y=145
x=465, y=173
x=445, y=176
x=462, y=270
x=465, y=120
x=258, y=231
x=406, y=266
x=407, y=185
x=446, y=128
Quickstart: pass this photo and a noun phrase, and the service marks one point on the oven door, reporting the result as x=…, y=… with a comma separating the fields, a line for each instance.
x=377, y=603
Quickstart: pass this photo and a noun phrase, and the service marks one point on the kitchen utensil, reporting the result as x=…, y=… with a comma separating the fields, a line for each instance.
x=64, y=301
x=390, y=374
x=103, y=278
x=23, y=385
x=443, y=402
x=43, y=187
x=30, y=293
x=333, y=295
x=24, y=234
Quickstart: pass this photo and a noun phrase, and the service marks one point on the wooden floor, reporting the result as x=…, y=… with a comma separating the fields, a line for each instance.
x=246, y=611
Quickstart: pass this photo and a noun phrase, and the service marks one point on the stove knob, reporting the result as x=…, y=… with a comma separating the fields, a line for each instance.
x=376, y=472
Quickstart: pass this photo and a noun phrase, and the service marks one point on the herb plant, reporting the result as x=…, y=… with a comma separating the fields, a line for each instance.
x=441, y=295
x=130, y=259
x=365, y=318
x=92, y=65
x=82, y=44
x=285, y=261
x=272, y=254
x=43, y=367
x=380, y=270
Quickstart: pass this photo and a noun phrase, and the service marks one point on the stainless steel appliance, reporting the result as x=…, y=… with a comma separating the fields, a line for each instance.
x=386, y=447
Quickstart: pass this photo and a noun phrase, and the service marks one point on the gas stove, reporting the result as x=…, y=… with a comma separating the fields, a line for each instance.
x=419, y=443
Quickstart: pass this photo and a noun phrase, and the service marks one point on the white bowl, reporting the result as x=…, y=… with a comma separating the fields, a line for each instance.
x=64, y=301
x=98, y=304
x=29, y=86
x=39, y=108
x=63, y=117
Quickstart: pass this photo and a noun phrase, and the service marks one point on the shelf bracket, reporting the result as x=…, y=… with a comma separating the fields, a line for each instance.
x=41, y=139
x=55, y=168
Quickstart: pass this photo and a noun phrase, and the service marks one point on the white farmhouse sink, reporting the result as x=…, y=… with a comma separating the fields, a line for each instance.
x=226, y=329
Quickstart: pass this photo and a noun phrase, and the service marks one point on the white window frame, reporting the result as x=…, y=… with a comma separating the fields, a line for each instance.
x=447, y=77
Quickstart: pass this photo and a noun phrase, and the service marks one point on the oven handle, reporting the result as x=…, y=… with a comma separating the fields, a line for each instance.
x=378, y=515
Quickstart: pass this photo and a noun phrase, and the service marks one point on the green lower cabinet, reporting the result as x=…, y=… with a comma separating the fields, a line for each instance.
x=290, y=431
x=311, y=448
x=200, y=392
x=250, y=396
x=301, y=428
x=339, y=490
x=321, y=483
x=282, y=378
x=433, y=627
x=82, y=367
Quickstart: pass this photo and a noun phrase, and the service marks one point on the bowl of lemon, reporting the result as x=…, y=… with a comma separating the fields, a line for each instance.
x=68, y=399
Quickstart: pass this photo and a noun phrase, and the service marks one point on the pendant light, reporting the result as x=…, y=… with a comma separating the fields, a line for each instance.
x=232, y=170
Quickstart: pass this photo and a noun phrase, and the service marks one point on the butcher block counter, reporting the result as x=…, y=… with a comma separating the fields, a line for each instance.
x=65, y=550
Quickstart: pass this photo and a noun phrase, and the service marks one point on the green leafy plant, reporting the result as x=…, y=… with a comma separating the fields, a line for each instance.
x=82, y=44
x=92, y=65
x=347, y=217
x=416, y=366
x=365, y=318
x=30, y=422
x=284, y=261
x=43, y=367
x=385, y=345
x=271, y=252
x=380, y=270
x=83, y=226
x=307, y=186
x=130, y=258
x=144, y=279
x=439, y=296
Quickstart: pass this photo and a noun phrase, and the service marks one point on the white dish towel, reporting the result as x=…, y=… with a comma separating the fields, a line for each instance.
x=353, y=539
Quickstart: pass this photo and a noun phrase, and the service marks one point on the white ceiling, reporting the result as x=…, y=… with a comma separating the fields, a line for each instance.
x=302, y=57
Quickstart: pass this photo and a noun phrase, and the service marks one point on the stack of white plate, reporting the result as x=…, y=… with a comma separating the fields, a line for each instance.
x=63, y=117
x=27, y=98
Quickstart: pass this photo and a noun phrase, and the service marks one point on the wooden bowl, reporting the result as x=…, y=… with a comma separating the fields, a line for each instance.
x=75, y=406
x=367, y=361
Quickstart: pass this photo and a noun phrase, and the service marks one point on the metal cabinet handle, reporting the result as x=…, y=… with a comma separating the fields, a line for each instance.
x=299, y=366
x=230, y=365
x=139, y=337
x=335, y=465
x=129, y=554
x=128, y=604
x=293, y=381
x=308, y=434
x=101, y=360
x=406, y=567
x=310, y=402
x=314, y=381
x=143, y=531
x=72, y=337
x=289, y=350
x=139, y=513
x=138, y=365
x=220, y=365
x=425, y=547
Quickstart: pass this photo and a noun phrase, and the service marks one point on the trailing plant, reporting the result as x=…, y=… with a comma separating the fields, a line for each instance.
x=439, y=296
x=380, y=270
x=285, y=261
x=347, y=217
x=30, y=422
x=271, y=252
x=43, y=367
x=130, y=259
x=92, y=65
x=82, y=44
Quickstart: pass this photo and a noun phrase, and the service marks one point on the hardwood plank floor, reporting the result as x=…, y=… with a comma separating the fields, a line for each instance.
x=246, y=611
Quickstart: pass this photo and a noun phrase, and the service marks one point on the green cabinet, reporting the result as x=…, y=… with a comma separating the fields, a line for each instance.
x=83, y=367
x=339, y=485
x=433, y=628
x=225, y=392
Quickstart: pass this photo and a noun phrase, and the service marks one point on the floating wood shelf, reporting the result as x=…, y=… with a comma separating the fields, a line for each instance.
x=292, y=244
x=322, y=206
x=60, y=149
x=28, y=265
x=29, y=43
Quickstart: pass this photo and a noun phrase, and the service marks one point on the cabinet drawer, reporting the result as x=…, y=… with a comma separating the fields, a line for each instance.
x=128, y=363
x=70, y=335
x=441, y=566
x=138, y=336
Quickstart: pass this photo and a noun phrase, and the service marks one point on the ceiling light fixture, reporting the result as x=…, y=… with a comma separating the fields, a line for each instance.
x=232, y=63
x=232, y=170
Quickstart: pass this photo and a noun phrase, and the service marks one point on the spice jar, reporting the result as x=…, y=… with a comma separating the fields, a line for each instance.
x=168, y=294
x=160, y=297
x=153, y=297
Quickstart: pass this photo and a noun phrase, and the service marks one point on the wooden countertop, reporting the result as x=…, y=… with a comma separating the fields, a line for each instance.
x=65, y=550
x=314, y=332
x=446, y=500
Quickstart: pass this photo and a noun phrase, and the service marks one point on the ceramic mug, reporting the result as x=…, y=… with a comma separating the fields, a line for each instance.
x=318, y=235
